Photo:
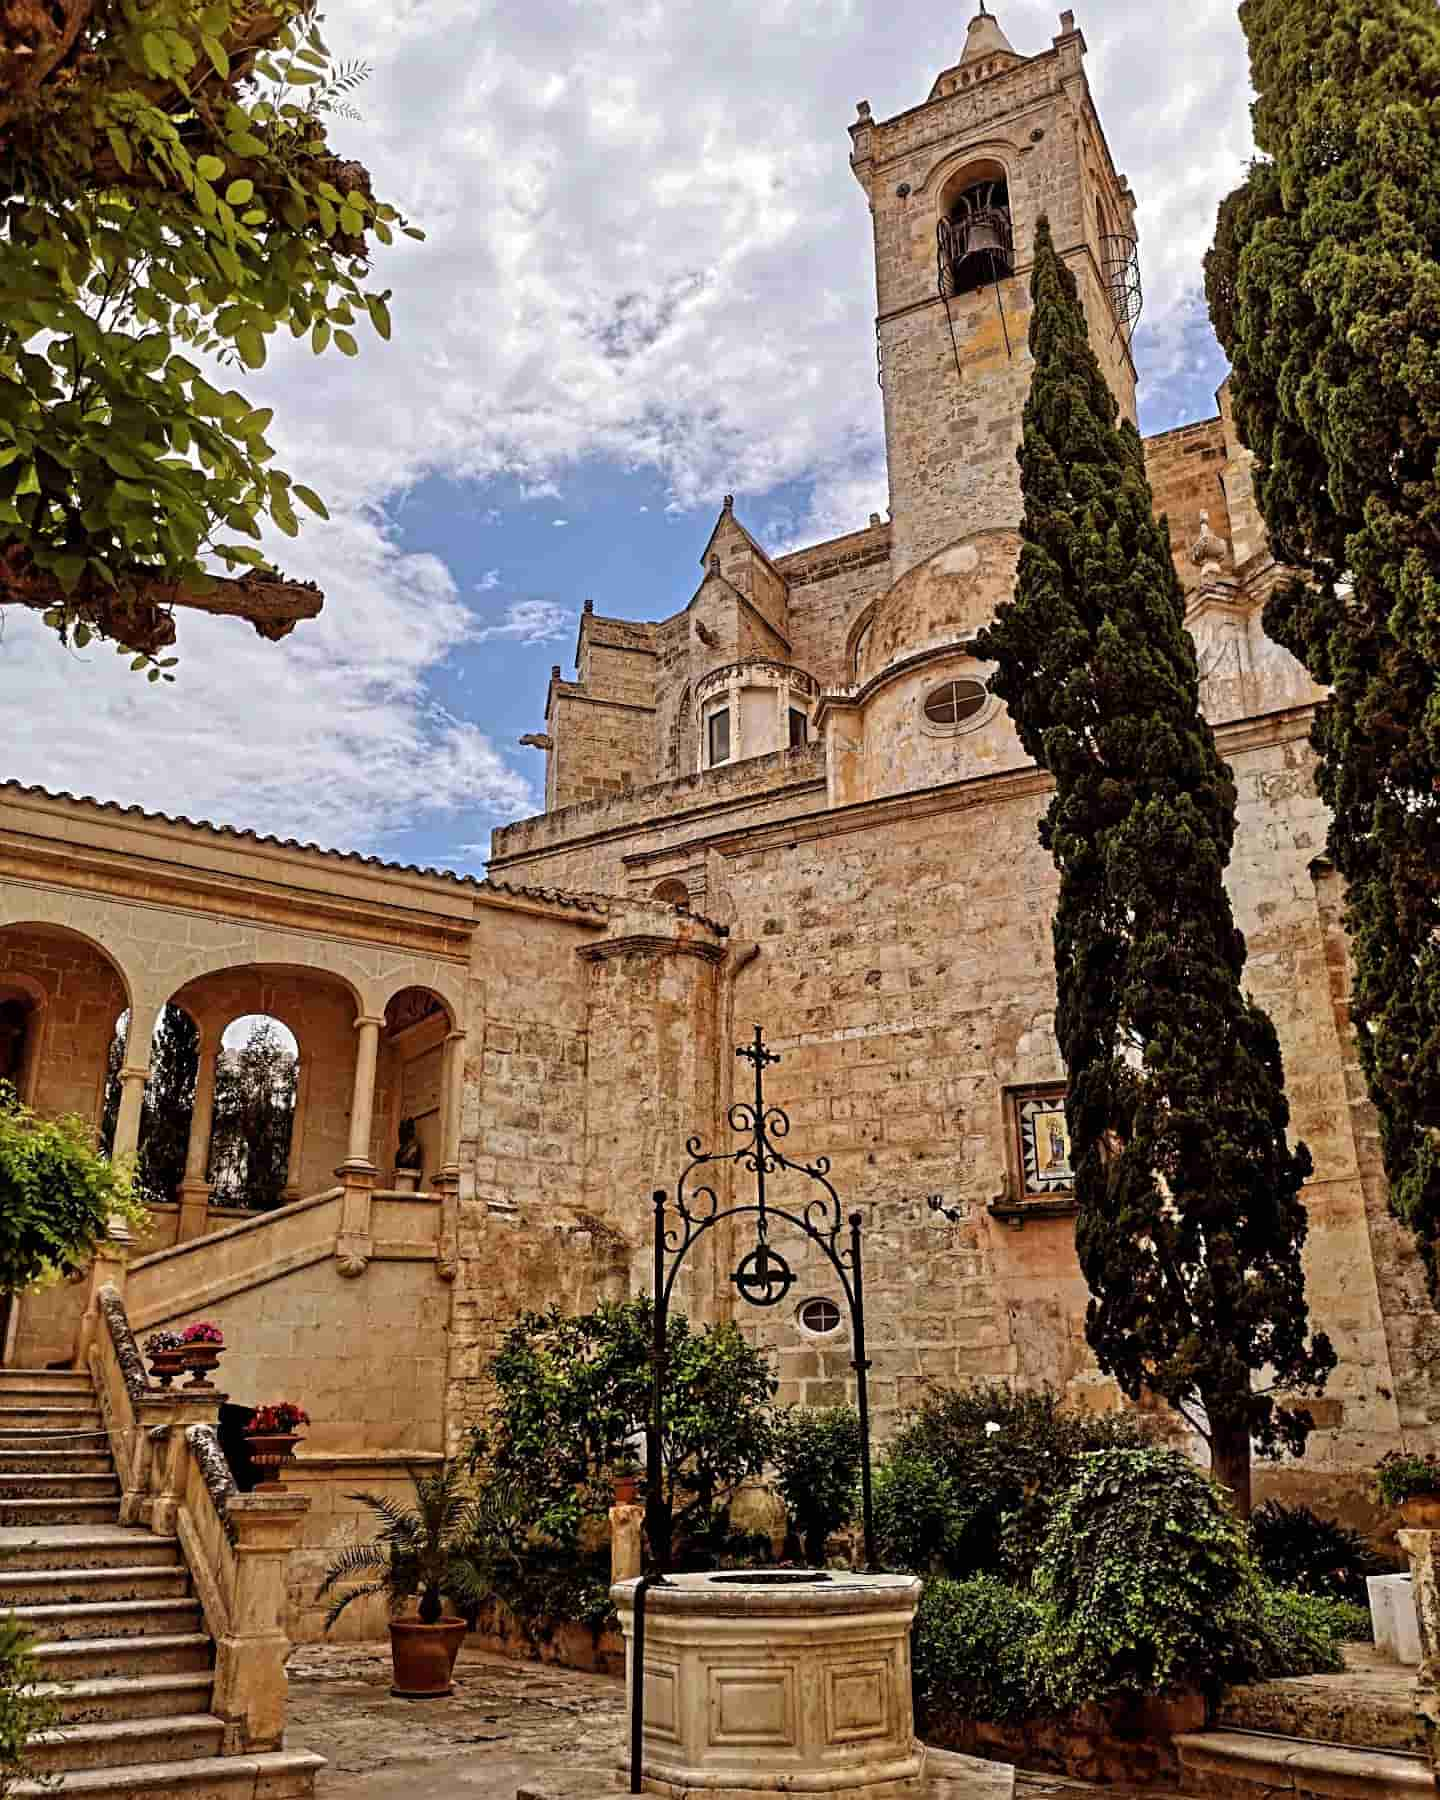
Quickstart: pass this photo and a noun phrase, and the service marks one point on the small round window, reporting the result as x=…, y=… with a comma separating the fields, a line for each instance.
x=955, y=702
x=820, y=1316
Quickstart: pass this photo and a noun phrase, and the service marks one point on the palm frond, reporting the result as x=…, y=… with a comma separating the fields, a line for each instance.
x=356, y=1559
x=363, y=1592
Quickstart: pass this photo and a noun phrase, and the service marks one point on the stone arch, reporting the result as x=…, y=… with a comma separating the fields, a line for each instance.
x=247, y=1157
x=24, y=1003
x=854, y=639
x=672, y=891
x=419, y=1038
x=72, y=988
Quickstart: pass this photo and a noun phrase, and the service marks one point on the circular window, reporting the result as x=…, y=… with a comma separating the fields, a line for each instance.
x=820, y=1316
x=953, y=702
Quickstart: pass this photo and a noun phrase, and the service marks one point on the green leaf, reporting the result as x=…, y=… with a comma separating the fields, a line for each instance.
x=239, y=192
x=251, y=345
x=157, y=57
x=346, y=342
x=210, y=168
x=311, y=499
x=320, y=336
x=82, y=630
x=120, y=146
x=215, y=50
x=379, y=314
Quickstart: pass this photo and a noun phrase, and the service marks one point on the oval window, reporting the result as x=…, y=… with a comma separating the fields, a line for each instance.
x=820, y=1316
x=953, y=702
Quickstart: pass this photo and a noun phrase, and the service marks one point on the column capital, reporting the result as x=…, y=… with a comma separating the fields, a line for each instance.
x=364, y=1019
x=134, y=1071
x=457, y=1036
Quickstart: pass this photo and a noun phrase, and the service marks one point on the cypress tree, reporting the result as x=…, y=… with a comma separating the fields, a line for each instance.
x=1190, y=1224
x=1324, y=288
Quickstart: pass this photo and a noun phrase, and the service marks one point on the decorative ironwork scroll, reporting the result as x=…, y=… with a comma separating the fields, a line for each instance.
x=763, y=1275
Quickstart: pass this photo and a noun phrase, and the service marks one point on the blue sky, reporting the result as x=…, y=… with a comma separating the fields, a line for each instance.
x=646, y=282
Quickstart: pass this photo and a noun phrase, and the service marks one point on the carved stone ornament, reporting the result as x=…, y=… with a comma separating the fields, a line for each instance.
x=351, y=1263
x=1209, y=553
x=204, y=1445
x=127, y=1351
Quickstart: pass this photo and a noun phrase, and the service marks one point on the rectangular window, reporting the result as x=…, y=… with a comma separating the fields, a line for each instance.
x=717, y=726
x=799, y=729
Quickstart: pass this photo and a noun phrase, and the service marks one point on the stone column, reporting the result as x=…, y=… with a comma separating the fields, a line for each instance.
x=133, y=1077
x=250, y=1653
x=1421, y=1548
x=195, y=1184
x=446, y=1180
x=358, y=1173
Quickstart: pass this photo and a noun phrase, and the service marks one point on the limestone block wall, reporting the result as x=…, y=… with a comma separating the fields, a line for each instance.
x=1185, y=468
x=604, y=847
x=831, y=585
x=79, y=996
x=905, y=973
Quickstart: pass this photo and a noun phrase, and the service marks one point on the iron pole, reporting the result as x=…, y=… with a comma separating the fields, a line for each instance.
x=861, y=1366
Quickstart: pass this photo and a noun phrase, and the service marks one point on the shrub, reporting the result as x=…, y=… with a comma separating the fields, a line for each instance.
x=574, y=1389
x=1148, y=1583
x=1403, y=1473
x=23, y=1712
x=915, y=1512
x=1007, y=1457
x=970, y=1651
x=817, y=1461
x=1303, y=1634
x=57, y=1195
x=1296, y=1548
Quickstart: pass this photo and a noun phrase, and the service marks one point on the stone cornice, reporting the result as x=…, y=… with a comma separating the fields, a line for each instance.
x=645, y=943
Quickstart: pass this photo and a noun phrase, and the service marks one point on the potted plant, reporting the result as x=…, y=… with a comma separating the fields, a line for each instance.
x=271, y=1437
x=167, y=1356
x=418, y=1554
x=1412, y=1482
x=625, y=1476
x=202, y=1343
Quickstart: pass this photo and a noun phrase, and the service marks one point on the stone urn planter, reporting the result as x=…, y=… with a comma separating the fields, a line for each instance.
x=203, y=1344
x=270, y=1437
x=168, y=1357
x=627, y=1488
x=423, y=1657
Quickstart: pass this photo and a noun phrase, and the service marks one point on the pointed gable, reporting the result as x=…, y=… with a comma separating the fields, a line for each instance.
x=748, y=569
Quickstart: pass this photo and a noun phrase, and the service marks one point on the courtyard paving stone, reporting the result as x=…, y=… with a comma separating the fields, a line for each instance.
x=515, y=1728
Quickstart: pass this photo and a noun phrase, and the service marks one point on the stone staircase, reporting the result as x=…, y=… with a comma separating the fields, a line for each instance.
x=1354, y=1736
x=119, y=1633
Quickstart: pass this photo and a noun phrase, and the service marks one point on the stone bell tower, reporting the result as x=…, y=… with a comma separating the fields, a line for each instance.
x=956, y=186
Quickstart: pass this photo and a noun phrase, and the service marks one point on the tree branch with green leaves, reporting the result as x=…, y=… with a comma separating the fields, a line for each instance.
x=170, y=203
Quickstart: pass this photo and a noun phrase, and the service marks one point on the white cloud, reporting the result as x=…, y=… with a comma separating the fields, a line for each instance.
x=558, y=523
x=329, y=737
x=490, y=579
x=530, y=622
x=644, y=247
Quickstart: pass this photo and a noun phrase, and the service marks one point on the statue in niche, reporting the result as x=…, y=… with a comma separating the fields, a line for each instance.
x=409, y=1158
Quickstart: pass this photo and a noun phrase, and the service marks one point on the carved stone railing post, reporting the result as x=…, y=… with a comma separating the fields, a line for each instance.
x=171, y=1453
x=250, y=1654
x=106, y=1271
x=1420, y=1547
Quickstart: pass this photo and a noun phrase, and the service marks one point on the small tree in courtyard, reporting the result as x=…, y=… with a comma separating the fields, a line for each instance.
x=1190, y=1224
x=1324, y=287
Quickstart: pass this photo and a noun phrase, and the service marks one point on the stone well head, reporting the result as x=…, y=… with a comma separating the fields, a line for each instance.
x=762, y=1682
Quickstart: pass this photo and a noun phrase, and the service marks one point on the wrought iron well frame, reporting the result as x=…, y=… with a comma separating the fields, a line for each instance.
x=762, y=1278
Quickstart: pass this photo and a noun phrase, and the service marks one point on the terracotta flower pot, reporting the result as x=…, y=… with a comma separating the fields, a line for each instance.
x=165, y=1365
x=627, y=1489
x=200, y=1359
x=423, y=1657
x=1421, y=1512
x=270, y=1451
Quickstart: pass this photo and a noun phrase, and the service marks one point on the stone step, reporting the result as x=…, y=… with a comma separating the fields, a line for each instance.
x=80, y=1587
x=130, y=1697
x=45, y=1390
x=60, y=1485
x=67, y=1547
x=123, y=1658
x=278, y=1775
x=60, y=1512
x=96, y=1440
x=27, y=1381
x=17, y=1414
x=1253, y=1765
x=1356, y=1709
x=110, y=1619
x=61, y=1460
x=120, y=1743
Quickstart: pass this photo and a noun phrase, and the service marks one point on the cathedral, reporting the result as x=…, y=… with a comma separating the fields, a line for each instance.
x=792, y=803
